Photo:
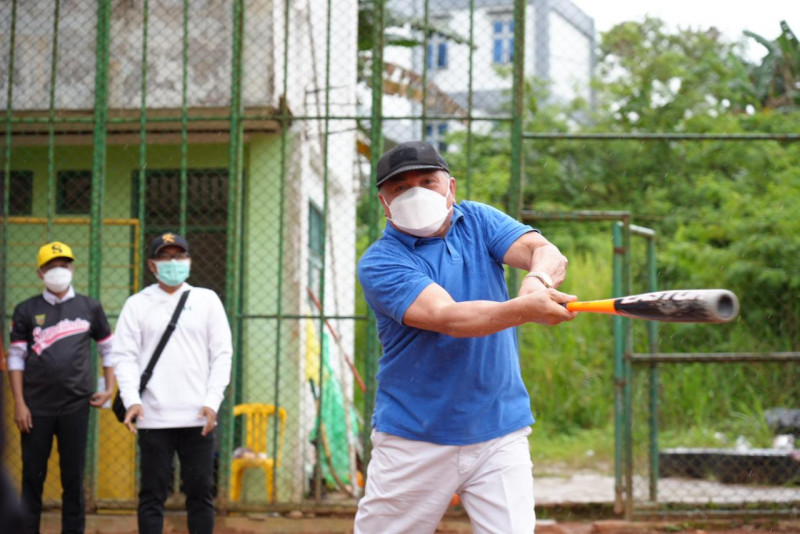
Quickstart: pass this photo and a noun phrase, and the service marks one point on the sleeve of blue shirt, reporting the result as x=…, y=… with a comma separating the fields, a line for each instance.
x=499, y=229
x=391, y=280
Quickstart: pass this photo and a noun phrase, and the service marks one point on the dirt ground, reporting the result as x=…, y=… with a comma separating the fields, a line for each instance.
x=454, y=523
x=567, y=503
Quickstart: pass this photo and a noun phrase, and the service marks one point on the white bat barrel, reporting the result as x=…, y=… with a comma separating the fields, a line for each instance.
x=727, y=305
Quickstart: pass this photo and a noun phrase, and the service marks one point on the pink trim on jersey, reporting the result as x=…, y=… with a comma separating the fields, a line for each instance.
x=106, y=339
x=45, y=337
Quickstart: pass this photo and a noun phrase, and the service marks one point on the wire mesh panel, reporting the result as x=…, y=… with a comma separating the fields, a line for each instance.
x=713, y=405
x=730, y=448
x=298, y=278
x=709, y=438
x=191, y=129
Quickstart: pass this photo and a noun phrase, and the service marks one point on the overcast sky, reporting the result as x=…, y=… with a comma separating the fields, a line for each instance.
x=731, y=18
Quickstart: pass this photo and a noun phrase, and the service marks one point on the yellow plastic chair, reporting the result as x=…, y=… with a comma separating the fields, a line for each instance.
x=257, y=417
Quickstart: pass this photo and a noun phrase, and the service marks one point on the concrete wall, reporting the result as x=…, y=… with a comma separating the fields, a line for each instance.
x=209, y=54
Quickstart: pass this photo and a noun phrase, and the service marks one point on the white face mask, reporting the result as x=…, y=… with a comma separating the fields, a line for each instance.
x=57, y=279
x=419, y=211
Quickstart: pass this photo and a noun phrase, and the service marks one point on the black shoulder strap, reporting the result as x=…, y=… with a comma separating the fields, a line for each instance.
x=148, y=372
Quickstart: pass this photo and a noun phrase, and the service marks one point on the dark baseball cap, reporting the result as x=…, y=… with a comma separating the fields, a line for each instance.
x=410, y=156
x=167, y=239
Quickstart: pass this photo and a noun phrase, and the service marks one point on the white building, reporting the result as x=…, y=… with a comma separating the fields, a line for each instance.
x=559, y=50
x=169, y=113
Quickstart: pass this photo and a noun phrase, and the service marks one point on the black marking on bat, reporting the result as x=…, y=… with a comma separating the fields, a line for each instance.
x=694, y=306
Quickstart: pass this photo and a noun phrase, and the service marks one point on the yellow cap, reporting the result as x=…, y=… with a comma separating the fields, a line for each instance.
x=54, y=250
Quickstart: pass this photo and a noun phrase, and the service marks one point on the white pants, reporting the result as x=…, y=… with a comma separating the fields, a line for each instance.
x=410, y=484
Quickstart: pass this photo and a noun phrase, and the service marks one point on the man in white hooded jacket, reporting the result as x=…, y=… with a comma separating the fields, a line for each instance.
x=177, y=411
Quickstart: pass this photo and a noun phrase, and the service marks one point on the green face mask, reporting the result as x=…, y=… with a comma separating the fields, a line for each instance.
x=173, y=272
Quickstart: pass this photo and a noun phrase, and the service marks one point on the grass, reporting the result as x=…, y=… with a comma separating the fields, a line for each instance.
x=558, y=453
x=568, y=368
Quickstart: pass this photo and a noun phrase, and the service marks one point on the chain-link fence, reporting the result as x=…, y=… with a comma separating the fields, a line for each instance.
x=253, y=127
x=713, y=411
x=231, y=123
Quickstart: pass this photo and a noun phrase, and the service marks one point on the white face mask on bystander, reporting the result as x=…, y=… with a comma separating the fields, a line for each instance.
x=57, y=279
x=419, y=211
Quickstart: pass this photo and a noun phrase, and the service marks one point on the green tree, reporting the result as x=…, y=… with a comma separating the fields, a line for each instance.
x=653, y=80
x=776, y=80
x=726, y=209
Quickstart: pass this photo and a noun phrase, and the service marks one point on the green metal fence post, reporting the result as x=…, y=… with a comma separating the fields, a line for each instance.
x=51, y=114
x=619, y=350
x=627, y=376
x=7, y=167
x=99, y=147
x=318, y=439
x=470, y=97
x=376, y=148
x=425, y=44
x=142, y=185
x=98, y=197
x=285, y=121
x=652, y=340
x=184, y=180
x=517, y=120
x=233, y=267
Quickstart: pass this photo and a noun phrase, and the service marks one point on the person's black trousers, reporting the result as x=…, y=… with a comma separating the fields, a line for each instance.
x=70, y=431
x=196, y=454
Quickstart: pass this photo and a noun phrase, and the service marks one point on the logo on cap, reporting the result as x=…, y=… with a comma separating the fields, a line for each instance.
x=51, y=251
x=168, y=238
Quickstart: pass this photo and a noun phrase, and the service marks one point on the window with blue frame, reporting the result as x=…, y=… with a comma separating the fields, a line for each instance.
x=435, y=134
x=437, y=53
x=503, y=41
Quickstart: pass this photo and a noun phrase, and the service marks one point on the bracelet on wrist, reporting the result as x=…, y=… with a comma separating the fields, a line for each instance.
x=542, y=277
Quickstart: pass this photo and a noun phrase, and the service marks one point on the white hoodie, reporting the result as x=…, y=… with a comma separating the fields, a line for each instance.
x=193, y=369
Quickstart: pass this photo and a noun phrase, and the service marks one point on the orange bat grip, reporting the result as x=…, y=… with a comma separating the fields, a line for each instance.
x=594, y=306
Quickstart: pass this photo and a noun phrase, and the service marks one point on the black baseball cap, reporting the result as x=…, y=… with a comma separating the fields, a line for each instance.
x=410, y=156
x=168, y=239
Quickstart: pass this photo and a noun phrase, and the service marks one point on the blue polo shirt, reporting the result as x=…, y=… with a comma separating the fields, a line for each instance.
x=434, y=387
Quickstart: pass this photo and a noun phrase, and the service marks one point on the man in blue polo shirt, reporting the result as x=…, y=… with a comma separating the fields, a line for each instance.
x=452, y=414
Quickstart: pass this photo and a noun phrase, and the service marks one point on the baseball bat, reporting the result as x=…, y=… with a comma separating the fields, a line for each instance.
x=677, y=306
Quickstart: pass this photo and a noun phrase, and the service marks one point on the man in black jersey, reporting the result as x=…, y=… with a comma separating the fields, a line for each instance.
x=50, y=371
